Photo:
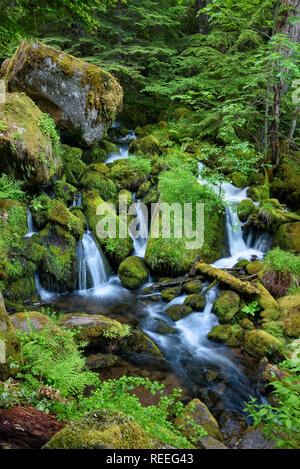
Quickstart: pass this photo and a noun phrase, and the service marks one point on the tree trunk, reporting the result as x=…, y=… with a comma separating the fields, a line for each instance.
x=290, y=9
x=202, y=19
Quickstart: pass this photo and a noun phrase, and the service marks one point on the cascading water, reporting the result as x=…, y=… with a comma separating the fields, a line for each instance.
x=30, y=225
x=140, y=234
x=123, y=147
x=92, y=268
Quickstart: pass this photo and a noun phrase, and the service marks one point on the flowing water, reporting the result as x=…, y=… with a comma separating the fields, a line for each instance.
x=123, y=148
x=141, y=230
x=30, y=225
x=208, y=370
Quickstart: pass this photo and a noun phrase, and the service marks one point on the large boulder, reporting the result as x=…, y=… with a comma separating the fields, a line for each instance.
x=288, y=237
x=198, y=413
x=10, y=348
x=260, y=343
x=289, y=307
x=82, y=98
x=28, y=150
x=102, y=429
x=226, y=306
x=133, y=273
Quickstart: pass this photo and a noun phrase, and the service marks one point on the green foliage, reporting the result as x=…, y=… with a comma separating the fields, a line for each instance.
x=117, y=332
x=251, y=308
x=47, y=126
x=10, y=188
x=281, y=422
x=282, y=262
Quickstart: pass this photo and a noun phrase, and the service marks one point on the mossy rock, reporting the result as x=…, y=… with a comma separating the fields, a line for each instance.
x=247, y=324
x=164, y=328
x=227, y=334
x=126, y=175
x=242, y=263
x=289, y=308
x=94, y=180
x=73, y=165
x=65, y=192
x=102, y=360
x=94, y=154
x=79, y=214
x=244, y=209
x=195, y=286
x=239, y=180
x=254, y=267
x=133, y=273
x=197, y=412
x=90, y=329
x=151, y=197
x=226, y=306
x=23, y=289
x=196, y=301
x=116, y=248
x=169, y=294
x=258, y=193
x=145, y=146
x=178, y=312
x=109, y=147
x=102, y=429
x=143, y=189
x=10, y=347
x=288, y=237
x=32, y=320
x=125, y=193
x=82, y=98
x=26, y=151
x=286, y=185
x=262, y=344
x=139, y=343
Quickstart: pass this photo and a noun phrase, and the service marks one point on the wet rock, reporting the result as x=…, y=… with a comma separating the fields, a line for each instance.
x=199, y=413
x=25, y=322
x=244, y=209
x=288, y=237
x=232, y=427
x=178, y=312
x=289, y=308
x=169, y=294
x=259, y=343
x=267, y=373
x=164, y=328
x=254, y=439
x=82, y=98
x=254, y=267
x=139, y=343
x=26, y=428
x=194, y=286
x=102, y=360
x=196, y=301
x=226, y=334
x=210, y=443
x=226, y=306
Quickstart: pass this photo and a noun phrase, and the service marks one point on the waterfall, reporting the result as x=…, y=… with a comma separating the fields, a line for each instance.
x=91, y=262
x=31, y=231
x=140, y=233
x=123, y=148
x=77, y=201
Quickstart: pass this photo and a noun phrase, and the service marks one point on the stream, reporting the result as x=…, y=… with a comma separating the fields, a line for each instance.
x=212, y=372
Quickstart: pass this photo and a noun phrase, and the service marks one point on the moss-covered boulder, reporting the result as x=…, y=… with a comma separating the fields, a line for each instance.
x=116, y=248
x=10, y=348
x=94, y=179
x=195, y=301
x=137, y=342
x=239, y=180
x=226, y=306
x=195, y=286
x=288, y=237
x=198, y=413
x=102, y=429
x=94, y=329
x=100, y=361
x=143, y=189
x=227, y=334
x=289, y=308
x=258, y=193
x=254, y=267
x=28, y=321
x=72, y=162
x=130, y=173
x=178, y=312
x=82, y=98
x=270, y=216
x=168, y=294
x=244, y=209
x=27, y=150
x=65, y=192
x=145, y=146
x=133, y=273
x=261, y=344
x=286, y=184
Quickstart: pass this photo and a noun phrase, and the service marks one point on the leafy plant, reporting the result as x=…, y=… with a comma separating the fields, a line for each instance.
x=251, y=308
x=10, y=188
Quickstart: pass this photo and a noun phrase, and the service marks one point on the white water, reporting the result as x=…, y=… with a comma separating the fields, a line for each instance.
x=141, y=231
x=123, y=148
x=30, y=225
x=91, y=262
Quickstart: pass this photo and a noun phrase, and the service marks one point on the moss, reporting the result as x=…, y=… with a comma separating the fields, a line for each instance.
x=164, y=328
x=145, y=146
x=139, y=342
x=288, y=237
x=226, y=334
x=197, y=412
x=37, y=321
x=128, y=175
x=102, y=429
x=73, y=166
x=259, y=193
x=10, y=348
x=59, y=214
x=269, y=216
x=239, y=180
x=32, y=156
x=195, y=286
x=286, y=184
x=178, y=312
x=143, y=189
x=242, y=263
x=261, y=344
x=79, y=214
x=254, y=267
x=117, y=249
x=196, y=301
x=289, y=308
x=226, y=306
x=244, y=209
x=92, y=179
x=169, y=294
x=109, y=147
x=65, y=192
x=124, y=193
x=102, y=360
x=133, y=273
x=247, y=324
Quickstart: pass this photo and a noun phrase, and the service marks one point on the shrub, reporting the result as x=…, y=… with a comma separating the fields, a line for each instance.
x=282, y=272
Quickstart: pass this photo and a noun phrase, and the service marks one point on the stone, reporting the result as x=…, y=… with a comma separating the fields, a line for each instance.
x=259, y=343
x=226, y=306
x=196, y=301
x=133, y=273
x=178, y=312
x=82, y=98
x=288, y=237
x=199, y=413
x=210, y=443
x=289, y=308
x=254, y=439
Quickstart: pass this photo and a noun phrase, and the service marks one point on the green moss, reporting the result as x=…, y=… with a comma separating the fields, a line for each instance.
x=65, y=192
x=196, y=301
x=178, y=312
x=133, y=273
x=145, y=146
x=95, y=154
x=194, y=286
x=288, y=237
x=261, y=344
x=226, y=334
x=139, y=342
x=102, y=429
x=59, y=214
x=94, y=180
x=239, y=180
x=244, y=209
x=143, y=189
x=73, y=166
x=109, y=147
x=199, y=413
x=259, y=193
x=168, y=294
x=254, y=267
x=226, y=306
x=289, y=307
